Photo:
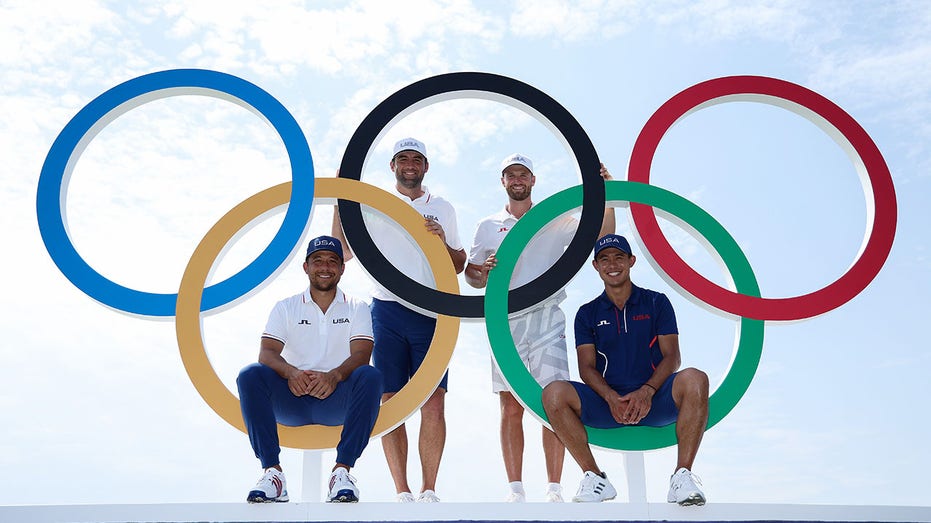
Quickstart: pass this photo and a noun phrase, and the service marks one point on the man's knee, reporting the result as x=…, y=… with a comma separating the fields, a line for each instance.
x=369, y=378
x=694, y=382
x=556, y=395
x=510, y=407
x=249, y=375
x=435, y=407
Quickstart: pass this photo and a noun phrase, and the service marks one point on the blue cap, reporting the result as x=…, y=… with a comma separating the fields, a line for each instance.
x=614, y=241
x=325, y=243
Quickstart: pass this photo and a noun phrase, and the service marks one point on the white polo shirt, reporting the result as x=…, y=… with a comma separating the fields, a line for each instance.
x=314, y=340
x=401, y=250
x=547, y=245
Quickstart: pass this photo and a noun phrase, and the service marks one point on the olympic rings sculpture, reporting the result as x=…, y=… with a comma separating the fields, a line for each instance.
x=194, y=299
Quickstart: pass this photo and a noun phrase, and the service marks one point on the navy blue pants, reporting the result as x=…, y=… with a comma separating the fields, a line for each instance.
x=265, y=400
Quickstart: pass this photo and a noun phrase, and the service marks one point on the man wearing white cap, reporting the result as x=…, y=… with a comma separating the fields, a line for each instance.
x=402, y=335
x=540, y=332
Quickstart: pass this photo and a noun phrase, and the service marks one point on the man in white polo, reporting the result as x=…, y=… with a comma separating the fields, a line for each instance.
x=540, y=332
x=403, y=335
x=313, y=370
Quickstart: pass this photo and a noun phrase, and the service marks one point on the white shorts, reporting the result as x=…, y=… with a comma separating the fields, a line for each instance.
x=540, y=338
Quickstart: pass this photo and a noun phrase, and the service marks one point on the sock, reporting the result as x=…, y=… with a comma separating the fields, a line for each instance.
x=517, y=486
x=554, y=487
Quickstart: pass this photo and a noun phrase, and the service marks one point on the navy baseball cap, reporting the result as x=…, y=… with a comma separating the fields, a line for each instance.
x=612, y=241
x=325, y=243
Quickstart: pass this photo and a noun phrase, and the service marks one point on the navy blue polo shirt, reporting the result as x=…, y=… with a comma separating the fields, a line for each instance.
x=625, y=339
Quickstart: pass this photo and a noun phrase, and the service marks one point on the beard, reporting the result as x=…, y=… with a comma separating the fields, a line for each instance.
x=408, y=183
x=520, y=195
x=323, y=285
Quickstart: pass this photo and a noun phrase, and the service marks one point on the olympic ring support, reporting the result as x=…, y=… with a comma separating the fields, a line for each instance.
x=190, y=339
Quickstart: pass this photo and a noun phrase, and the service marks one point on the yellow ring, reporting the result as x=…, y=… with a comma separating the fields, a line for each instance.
x=190, y=338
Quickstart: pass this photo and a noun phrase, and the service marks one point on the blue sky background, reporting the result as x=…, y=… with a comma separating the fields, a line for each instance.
x=97, y=406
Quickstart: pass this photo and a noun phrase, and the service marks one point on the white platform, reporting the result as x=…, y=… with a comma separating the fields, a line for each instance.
x=610, y=511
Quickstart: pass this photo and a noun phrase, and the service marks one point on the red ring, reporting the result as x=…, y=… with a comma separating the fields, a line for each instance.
x=842, y=290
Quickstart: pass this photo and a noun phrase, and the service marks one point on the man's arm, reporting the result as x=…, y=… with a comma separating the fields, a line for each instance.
x=608, y=223
x=270, y=356
x=477, y=275
x=336, y=231
x=588, y=371
x=641, y=399
x=324, y=383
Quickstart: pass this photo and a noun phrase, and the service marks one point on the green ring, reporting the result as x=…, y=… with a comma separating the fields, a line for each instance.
x=749, y=345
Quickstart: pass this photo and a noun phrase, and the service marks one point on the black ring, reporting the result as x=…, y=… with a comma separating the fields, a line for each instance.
x=472, y=306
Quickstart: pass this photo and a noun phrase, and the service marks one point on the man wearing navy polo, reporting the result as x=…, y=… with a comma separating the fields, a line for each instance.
x=627, y=343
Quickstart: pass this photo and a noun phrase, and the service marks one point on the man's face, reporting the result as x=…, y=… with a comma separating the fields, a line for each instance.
x=324, y=269
x=409, y=168
x=613, y=266
x=517, y=181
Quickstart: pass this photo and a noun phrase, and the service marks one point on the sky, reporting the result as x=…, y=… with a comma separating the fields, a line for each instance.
x=97, y=405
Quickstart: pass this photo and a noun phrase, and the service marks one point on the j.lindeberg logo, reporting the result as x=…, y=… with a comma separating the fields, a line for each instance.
x=603, y=322
x=303, y=322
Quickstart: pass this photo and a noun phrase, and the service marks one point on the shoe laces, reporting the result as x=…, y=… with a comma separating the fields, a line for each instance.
x=589, y=480
x=684, y=475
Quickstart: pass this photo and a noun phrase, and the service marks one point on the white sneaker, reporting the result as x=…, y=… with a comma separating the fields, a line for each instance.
x=270, y=488
x=405, y=497
x=343, y=487
x=554, y=496
x=428, y=496
x=594, y=488
x=684, y=490
x=516, y=497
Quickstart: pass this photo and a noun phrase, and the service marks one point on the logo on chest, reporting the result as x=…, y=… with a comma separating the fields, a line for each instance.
x=340, y=320
x=639, y=317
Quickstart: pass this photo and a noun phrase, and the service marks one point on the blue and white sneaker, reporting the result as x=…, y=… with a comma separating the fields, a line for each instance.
x=271, y=488
x=594, y=488
x=343, y=487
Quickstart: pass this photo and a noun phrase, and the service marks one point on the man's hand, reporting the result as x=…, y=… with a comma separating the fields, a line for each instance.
x=638, y=406
x=322, y=384
x=299, y=381
x=433, y=227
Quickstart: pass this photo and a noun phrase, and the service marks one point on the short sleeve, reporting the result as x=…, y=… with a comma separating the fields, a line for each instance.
x=361, y=322
x=479, y=252
x=665, y=316
x=276, y=326
x=584, y=334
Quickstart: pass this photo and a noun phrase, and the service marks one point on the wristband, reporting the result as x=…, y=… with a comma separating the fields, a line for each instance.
x=651, y=386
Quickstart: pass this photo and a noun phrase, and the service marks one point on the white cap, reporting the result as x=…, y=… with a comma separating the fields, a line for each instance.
x=409, y=144
x=517, y=159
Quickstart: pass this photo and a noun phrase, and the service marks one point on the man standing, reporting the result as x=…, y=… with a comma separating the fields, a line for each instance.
x=313, y=370
x=628, y=351
x=402, y=335
x=539, y=333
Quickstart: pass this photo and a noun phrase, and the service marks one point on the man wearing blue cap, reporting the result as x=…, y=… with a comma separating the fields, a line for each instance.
x=628, y=353
x=313, y=370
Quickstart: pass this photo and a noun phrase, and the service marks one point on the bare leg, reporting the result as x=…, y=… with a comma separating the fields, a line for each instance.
x=394, y=444
x=555, y=453
x=563, y=408
x=512, y=435
x=432, y=437
x=690, y=392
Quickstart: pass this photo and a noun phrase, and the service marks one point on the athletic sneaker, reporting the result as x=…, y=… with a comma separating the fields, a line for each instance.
x=516, y=497
x=428, y=496
x=594, y=488
x=554, y=495
x=683, y=489
x=270, y=488
x=405, y=497
x=342, y=487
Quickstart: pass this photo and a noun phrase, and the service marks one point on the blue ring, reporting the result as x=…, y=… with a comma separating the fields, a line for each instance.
x=51, y=191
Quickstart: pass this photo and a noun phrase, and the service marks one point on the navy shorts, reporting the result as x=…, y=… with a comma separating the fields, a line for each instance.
x=597, y=414
x=402, y=338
